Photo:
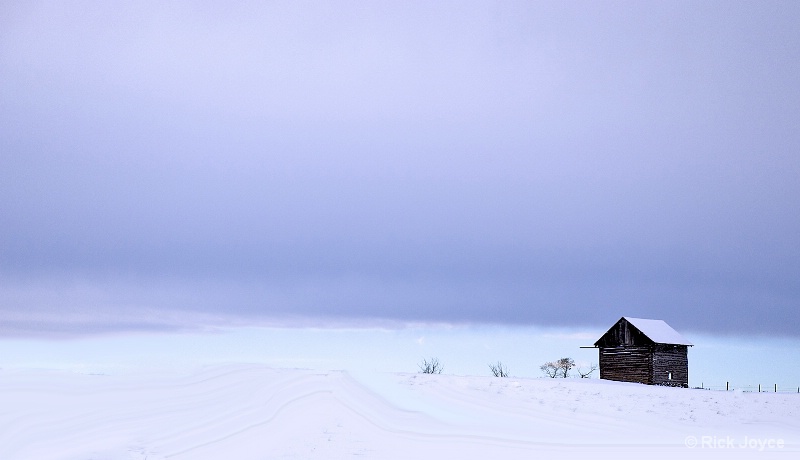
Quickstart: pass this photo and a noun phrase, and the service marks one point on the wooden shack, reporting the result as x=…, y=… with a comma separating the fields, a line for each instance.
x=645, y=351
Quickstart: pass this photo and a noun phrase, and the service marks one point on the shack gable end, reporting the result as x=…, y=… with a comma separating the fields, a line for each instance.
x=623, y=334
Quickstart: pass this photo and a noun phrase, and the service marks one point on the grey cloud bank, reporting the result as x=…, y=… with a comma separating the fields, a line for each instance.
x=520, y=163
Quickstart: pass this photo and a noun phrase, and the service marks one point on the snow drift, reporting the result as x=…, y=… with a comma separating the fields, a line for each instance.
x=254, y=412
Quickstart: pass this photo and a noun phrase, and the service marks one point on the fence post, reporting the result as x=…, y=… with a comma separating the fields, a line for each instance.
x=759, y=388
x=776, y=388
x=727, y=386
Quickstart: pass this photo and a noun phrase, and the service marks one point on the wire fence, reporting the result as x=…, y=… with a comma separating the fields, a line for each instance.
x=750, y=388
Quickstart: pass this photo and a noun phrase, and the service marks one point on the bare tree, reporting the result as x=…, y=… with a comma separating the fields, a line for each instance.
x=499, y=370
x=431, y=366
x=587, y=374
x=558, y=368
x=566, y=364
x=550, y=369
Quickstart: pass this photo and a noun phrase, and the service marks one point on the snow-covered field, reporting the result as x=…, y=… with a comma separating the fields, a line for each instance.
x=255, y=412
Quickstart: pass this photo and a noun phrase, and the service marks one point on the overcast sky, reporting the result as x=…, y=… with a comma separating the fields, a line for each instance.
x=554, y=164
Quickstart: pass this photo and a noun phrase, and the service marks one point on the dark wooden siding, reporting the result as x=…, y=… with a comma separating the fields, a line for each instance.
x=627, y=364
x=670, y=359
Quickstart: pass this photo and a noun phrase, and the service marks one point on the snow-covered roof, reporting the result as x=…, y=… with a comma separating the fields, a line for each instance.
x=658, y=331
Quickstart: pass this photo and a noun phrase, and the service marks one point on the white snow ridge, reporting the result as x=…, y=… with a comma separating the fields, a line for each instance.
x=253, y=412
